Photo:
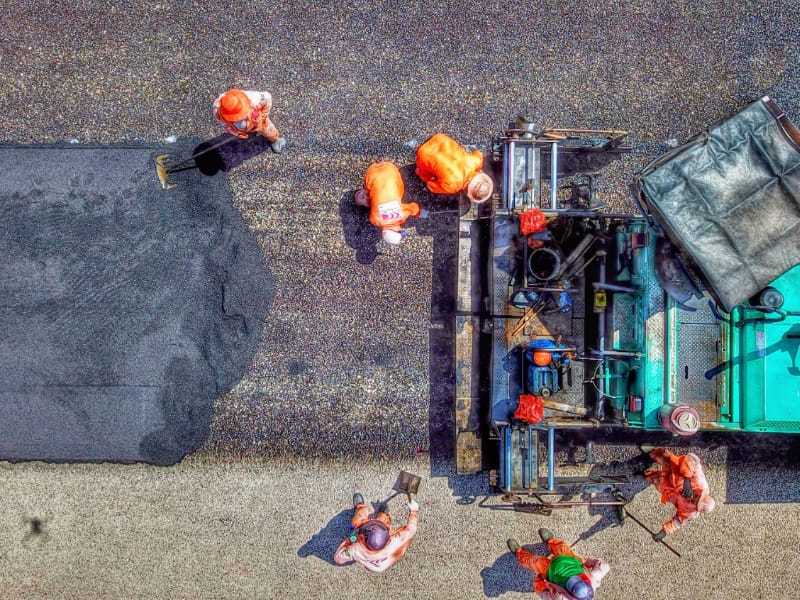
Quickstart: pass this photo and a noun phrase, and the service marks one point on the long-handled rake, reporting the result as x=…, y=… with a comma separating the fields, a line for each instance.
x=163, y=171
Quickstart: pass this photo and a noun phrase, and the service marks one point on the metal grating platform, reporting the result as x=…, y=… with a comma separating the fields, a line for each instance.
x=697, y=353
x=624, y=321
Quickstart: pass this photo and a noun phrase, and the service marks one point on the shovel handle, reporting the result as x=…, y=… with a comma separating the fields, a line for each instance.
x=209, y=149
x=647, y=529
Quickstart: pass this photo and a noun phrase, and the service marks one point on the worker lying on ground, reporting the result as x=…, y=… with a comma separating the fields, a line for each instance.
x=383, y=193
x=446, y=168
x=243, y=112
x=681, y=481
x=563, y=576
x=371, y=543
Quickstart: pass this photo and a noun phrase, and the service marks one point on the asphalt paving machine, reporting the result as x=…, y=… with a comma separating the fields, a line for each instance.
x=683, y=316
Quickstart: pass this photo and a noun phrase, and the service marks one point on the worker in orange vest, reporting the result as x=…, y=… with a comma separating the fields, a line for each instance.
x=446, y=168
x=245, y=112
x=371, y=543
x=681, y=481
x=383, y=193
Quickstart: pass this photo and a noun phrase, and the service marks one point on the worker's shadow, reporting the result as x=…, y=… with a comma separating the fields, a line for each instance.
x=359, y=233
x=324, y=543
x=507, y=575
x=633, y=469
x=228, y=155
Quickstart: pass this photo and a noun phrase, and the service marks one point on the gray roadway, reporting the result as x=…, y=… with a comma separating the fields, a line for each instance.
x=353, y=377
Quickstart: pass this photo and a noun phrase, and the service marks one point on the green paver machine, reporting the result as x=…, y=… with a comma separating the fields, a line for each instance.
x=683, y=318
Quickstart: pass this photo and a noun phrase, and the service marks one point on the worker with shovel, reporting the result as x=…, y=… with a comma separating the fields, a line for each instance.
x=447, y=168
x=681, y=481
x=372, y=543
x=383, y=193
x=244, y=112
x=564, y=575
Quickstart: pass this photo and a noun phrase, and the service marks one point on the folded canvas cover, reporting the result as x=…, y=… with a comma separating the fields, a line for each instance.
x=730, y=199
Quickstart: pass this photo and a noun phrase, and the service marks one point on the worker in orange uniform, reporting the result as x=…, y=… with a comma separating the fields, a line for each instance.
x=446, y=168
x=681, y=481
x=564, y=575
x=371, y=542
x=383, y=193
x=244, y=112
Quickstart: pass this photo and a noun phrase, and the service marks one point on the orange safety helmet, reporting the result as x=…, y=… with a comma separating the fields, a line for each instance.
x=542, y=358
x=234, y=106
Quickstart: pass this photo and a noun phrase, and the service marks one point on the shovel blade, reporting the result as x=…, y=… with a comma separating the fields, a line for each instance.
x=162, y=172
x=407, y=483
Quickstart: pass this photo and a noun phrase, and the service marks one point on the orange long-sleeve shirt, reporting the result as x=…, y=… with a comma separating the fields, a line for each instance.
x=669, y=481
x=385, y=189
x=444, y=165
x=399, y=541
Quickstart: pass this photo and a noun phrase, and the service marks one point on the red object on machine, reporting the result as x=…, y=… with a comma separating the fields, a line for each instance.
x=529, y=409
x=531, y=221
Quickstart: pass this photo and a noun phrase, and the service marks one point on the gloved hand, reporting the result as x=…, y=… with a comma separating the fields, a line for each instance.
x=687, y=488
x=423, y=213
x=590, y=563
x=242, y=135
x=657, y=537
x=413, y=505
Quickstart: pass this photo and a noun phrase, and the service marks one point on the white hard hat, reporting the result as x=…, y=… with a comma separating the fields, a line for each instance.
x=480, y=188
x=391, y=236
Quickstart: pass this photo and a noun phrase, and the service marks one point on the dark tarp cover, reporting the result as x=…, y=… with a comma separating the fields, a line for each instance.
x=730, y=199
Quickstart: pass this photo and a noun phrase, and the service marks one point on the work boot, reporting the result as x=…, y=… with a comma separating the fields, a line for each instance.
x=646, y=448
x=278, y=145
x=513, y=545
x=546, y=535
x=358, y=499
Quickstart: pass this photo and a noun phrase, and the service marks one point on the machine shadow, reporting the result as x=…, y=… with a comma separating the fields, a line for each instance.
x=324, y=543
x=441, y=225
x=770, y=458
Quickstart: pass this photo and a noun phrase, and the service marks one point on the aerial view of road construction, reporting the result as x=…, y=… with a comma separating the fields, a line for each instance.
x=400, y=300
